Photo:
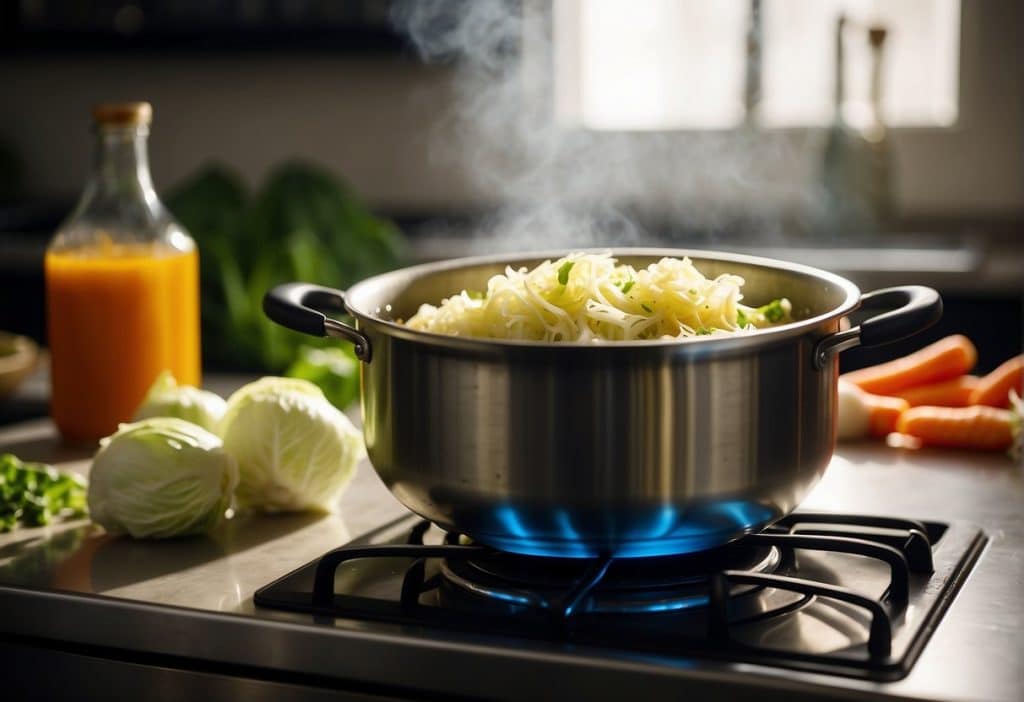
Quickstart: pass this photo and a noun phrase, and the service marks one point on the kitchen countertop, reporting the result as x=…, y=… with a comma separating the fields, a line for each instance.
x=53, y=579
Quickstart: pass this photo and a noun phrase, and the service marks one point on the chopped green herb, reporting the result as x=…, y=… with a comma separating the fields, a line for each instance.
x=33, y=493
x=773, y=311
x=627, y=286
x=647, y=308
x=705, y=331
x=476, y=295
x=741, y=318
x=563, y=272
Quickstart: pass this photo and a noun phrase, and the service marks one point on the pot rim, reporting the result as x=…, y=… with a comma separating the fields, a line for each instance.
x=737, y=340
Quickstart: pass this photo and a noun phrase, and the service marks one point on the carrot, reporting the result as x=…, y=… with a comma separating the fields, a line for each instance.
x=885, y=413
x=976, y=427
x=943, y=360
x=862, y=414
x=994, y=389
x=948, y=393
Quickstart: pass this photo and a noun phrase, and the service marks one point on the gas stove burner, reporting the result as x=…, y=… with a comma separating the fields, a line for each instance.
x=815, y=591
x=627, y=586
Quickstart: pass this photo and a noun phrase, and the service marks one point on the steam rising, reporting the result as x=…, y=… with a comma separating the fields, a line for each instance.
x=562, y=186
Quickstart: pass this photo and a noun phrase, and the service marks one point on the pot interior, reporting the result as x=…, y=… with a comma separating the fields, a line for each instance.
x=398, y=295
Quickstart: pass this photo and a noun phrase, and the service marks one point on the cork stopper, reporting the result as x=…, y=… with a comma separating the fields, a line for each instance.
x=123, y=114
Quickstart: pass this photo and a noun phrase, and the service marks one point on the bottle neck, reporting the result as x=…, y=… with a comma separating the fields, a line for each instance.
x=875, y=127
x=752, y=78
x=839, y=87
x=120, y=167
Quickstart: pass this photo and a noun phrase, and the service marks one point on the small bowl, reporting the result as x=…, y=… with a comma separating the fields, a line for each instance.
x=18, y=358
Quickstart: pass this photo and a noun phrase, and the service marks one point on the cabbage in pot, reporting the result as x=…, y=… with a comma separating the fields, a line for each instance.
x=159, y=478
x=295, y=450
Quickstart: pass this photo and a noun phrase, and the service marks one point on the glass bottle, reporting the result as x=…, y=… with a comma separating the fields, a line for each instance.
x=876, y=136
x=856, y=168
x=752, y=88
x=122, y=286
x=839, y=172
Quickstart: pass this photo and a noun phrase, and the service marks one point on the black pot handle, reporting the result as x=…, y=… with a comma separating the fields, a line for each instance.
x=297, y=306
x=917, y=308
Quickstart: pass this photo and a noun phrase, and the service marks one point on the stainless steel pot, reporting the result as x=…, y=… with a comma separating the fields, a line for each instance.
x=627, y=448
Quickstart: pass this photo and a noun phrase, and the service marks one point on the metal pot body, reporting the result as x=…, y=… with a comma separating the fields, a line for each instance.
x=631, y=449
x=574, y=454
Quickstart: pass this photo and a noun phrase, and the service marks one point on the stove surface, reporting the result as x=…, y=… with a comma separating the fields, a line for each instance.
x=840, y=594
x=188, y=606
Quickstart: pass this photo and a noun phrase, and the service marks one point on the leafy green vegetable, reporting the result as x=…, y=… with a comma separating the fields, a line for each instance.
x=168, y=399
x=741, y=319
x=626, y=286
x=160, y=478
x=705, y=331
x=33, y=494
x=302, y=224
x=334, y=370
x=295, y=451
x=773, y=311
x=476, y=294
x=563, y=272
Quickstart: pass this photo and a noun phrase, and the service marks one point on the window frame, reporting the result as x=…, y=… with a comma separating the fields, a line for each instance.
x=934, y=163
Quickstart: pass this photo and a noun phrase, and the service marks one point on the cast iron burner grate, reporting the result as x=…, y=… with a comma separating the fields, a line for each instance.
x=821, y=592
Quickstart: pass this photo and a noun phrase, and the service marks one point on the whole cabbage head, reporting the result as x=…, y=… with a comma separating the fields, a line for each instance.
x=295, y=450
x=159, y=478
x=168, y=399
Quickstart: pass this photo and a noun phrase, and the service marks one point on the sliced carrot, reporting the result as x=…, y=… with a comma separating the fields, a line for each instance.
x=948, y=393
x=994, y=389
x=976, y=427
x=945, y=359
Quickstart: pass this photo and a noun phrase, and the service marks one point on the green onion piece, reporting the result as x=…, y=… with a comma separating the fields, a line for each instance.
x=704, y=331
x=476, y=295
x=741, y=318
x=773, y=311
x=34, y=494
x=646, y=307
x=563, y=272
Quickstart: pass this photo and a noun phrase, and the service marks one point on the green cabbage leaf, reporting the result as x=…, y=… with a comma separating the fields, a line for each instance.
x=295, y=450
x=160, y=478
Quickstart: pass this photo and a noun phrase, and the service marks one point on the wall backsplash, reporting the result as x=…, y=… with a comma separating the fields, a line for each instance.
x=369, y=119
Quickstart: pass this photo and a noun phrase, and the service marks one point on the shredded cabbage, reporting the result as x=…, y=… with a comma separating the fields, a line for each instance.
x=587, y=297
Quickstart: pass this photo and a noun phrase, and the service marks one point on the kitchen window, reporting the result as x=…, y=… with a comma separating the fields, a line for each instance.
x=687, y=64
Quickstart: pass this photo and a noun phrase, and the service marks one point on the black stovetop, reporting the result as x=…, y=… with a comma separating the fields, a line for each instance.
x=836, y=593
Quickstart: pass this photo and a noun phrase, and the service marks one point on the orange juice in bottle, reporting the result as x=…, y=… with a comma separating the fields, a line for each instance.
x=122, y=287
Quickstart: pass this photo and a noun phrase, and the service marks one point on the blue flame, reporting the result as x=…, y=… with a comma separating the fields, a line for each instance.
x=565, y=525
x=655, y=531
x=509, y=518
